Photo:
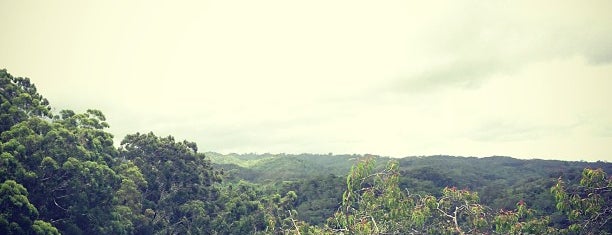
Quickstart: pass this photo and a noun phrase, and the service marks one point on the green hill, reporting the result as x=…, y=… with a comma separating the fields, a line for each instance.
x=500, y=181
x=284, y=167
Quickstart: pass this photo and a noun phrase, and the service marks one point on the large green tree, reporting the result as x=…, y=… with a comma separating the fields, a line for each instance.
x=588, y=205
x=19, y=100
x=373, y=203
x=17, y=214
x=177, y=175
x=64, y=161
x=67, y=164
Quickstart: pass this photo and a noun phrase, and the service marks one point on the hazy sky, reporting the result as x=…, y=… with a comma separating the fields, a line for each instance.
x=528, y=79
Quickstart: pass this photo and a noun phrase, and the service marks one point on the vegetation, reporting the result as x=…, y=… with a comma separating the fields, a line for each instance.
x=61, y=173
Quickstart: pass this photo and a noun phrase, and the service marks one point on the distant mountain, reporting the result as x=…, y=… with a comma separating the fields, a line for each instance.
x=445, y=170
x=284, y=167
x=500, y=181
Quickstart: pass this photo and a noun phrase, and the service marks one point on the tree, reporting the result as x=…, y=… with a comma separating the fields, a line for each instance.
x=242, y=208
x=17, y=214
x=175, y=173
x=522, y=221
x=318, y=196
x=129, y=214
x=588, y=205
x=19, y=100
x=65, y=162
x=373, y=202
x=460, y=212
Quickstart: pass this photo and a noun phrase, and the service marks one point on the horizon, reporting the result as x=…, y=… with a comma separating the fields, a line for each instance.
x=520, y=79
x=398, y=157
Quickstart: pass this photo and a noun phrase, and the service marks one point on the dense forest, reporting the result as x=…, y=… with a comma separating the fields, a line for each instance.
x=61, y=173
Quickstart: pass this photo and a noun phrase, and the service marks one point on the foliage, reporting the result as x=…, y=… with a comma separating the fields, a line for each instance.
x=19, y=100
x=372, y=202
x=176, y=182
x=588, y=205
x=17, y=214
x=318, y=196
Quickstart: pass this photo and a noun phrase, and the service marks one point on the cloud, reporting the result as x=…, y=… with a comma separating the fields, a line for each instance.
x=467, y=44
x=395, y=77
x=601, y=53
x=458, y=74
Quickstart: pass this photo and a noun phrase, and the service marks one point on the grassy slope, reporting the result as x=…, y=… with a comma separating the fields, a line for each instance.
x=281, y=167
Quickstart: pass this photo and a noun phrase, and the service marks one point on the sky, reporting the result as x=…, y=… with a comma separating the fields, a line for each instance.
x=528, y=79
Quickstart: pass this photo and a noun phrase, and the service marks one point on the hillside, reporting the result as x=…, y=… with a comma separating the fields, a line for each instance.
x=439, y=170
x=284, y=167
x=500, y=181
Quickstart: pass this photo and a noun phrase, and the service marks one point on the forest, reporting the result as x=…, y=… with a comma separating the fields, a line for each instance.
x=62, y=173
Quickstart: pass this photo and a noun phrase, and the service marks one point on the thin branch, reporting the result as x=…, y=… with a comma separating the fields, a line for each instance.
x=375, y=225
x=59, y=205
x=297, y=229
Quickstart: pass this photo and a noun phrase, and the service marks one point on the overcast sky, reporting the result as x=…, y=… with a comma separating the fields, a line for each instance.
x=529, y=79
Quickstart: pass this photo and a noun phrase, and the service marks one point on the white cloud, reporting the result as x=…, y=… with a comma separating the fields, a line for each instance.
x=478, y=78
